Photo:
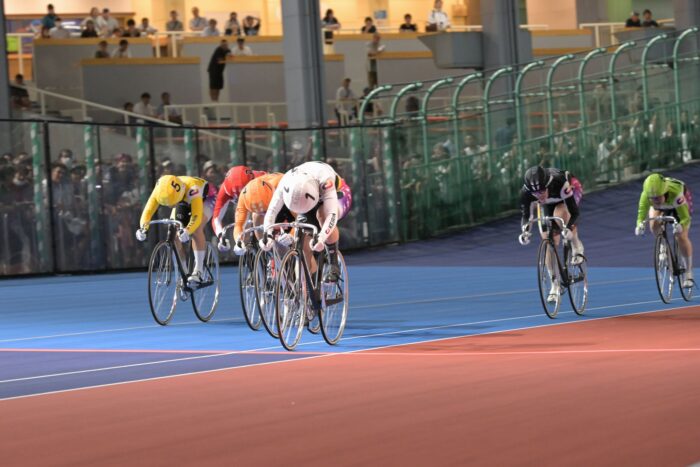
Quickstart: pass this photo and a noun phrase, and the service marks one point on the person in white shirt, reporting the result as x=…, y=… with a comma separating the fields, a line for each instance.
x=211, y=30
x=58, y=31
x=241, y=49
x=144, y=107
x=94, y=17
x=146, y=28
x=123, y=50
x=106, y=24
x=437, y=19
x=345, y=102
x=173, y=114
x=233, y=27
x=197, y=23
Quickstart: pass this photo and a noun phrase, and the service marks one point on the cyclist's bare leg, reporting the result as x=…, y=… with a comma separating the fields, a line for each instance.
x=332, y=244
x=577, y=246
x=655, y=226
x=686, y=251
x=199, y=247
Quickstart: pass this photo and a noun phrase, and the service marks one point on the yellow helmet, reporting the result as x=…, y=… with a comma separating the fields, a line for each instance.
x=169, y=190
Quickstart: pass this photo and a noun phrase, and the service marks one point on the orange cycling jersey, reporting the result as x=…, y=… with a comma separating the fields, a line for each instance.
x=255, y=198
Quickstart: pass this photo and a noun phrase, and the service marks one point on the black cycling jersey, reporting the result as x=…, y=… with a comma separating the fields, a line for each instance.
x=559, y=191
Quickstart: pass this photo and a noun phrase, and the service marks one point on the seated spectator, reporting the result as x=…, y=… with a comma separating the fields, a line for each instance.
x=174, y=24
x=123, y=50
x=173, y=114
x=58, y=31
x=437, y=19
x=89, y=30
x=94, y=17
x=251, y=26
x=345, y=102
x=633, y=21
x=106, y=24
x=102, y=51
x=241, y=49
x=18, y=93
x=412, y=106
x=166, y=168
x=197, y=23
x=407, y=26
x=211, y=30
x=146, y=29
x=369, y=27
x=373, y=108
x=144, y=107
x=648, y=20
x=374, y=48
x=49, y=20
x=65, y=158
x=45, y=32
x=233, y=27
x=131, y=30
x=128, y=107
x=211, y=173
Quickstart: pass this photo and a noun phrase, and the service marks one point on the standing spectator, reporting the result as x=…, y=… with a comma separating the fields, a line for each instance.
x=197, y=23
x=106, y=24
x=345, y=102
x=233, y=27
x=145, y=28
x=58, y=31
x=173, y=115
x=174, y=24
x=123, y=50
x=89, y=30
x=504, y=135
x=144, y=107
x=369, y=27
x=217, y=63
x=102, y=50
x=65, y=157
x=94, y=17
x=633, y=21
x=407, y=25
x=49, y=20
x=241, y=49
x=18, y=93
x=437, y=19
x=131, y=30
x=251, y=26
x=211, y=173
x=211, y=30
x=374, y=48
x=330, y=24
x=648, y=20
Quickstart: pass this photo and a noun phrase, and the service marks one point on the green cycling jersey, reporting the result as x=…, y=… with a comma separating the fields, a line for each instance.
x=674, y=199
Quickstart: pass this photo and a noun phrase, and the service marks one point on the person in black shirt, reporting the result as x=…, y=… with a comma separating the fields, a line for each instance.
x=369, y=27
x=18, y=93
x=216, y=70
x=633, y=21
x=407, y=26
x=89, y=30
x=648, y=20
x=251, y=26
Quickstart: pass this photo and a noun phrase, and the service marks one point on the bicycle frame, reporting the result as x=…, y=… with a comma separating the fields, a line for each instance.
x=549, y=221
x=663, y=232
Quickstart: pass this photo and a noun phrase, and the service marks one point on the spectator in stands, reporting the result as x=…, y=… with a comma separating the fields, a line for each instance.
x=197, y=23
x=174, y=24
x=251, y=26
x=437, y=19
x=211, y=30
x=18, y=93
x=241, y=49
x=65, y=157
x=45, y=32
x=166, y=168
x=102, y=51
x=89, y=30
x=94, y=17
x=633, y=21
x=374, y=49
x=123, y=50
x=345, y=103
x=369, y=27
x=373, y=108
x=211, y=173
x=412, y=106
x=49, y=20
x=233, y=27
x=131, y=30
x=648, y=20
x=107, y=24
x=173, y=115
x=407, y=25
x=504, y=135
x=144, y=107
x=217, y=63
x=330, y=24
x=145, y=28
x=58, y=31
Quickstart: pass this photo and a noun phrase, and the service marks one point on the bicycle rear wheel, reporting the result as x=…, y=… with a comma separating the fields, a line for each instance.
x=205, y=296
x=578, y=284
x=334, y=303
x=264, y=273
x=548, y=277
x=290, y=298
x=246, y=282
x=663, y=265
x=163, y=275
x=686, y=292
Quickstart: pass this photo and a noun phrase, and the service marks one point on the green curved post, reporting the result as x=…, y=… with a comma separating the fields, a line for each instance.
x=548, y=90
x=370, y=96
x=404, y=90
x=676, y=73
x=645, y=73
x=424, y=112
x=455, y=107
x=487, y=95
x=582, y=84
x=611, y=81
x=517, y=96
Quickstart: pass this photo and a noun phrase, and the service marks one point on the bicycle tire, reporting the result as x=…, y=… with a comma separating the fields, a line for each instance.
x=265, y=290
x=290, y=299
x=578, y=284
x=333, y=320
x=686, y=292
x=205, y=297
x=663, y=268
x=162, y=262
x=545, y=279
x=246, y=288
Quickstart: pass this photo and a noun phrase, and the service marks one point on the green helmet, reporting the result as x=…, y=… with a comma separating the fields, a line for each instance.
x=655, y=185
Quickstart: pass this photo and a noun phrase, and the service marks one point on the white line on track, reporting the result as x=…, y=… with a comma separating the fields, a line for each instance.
x=441, y=339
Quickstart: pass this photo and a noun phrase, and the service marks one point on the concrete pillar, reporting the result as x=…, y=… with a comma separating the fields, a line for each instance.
x=504, y=42
x=686, y=13
x=303, y=63
x=4, y=70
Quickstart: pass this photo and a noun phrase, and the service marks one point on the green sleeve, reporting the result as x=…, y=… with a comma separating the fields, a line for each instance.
x=643, y=210
x=684, y=214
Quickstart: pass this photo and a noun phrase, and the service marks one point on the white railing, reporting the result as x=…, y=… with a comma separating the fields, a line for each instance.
x=600, y=29
x=454, y=27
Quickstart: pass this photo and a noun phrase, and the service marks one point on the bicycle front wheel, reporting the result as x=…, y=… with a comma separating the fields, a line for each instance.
x=290, y=297
x=246, y=281
x=548, y=278
x=264, y=273
x=163, y=275
x=663, y=265
x=205, y=296
x=578, y=284
x=334, y=303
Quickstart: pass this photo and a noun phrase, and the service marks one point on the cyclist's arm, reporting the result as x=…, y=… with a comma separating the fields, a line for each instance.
x=526, y=201
x=274, y=208
x=643, y=209
x=330, y=213
x=573, y=211
x=148, y=211
x=196, y=211
x=241, y=216
x=683, y=212
x=222, y=200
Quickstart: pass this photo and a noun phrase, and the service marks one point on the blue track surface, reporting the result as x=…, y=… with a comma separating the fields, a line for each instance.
x=93, y=330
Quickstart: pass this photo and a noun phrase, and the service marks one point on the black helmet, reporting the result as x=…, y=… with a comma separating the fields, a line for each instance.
x=536, y=179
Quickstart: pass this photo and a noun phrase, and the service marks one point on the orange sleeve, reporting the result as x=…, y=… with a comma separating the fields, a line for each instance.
x=241, y=216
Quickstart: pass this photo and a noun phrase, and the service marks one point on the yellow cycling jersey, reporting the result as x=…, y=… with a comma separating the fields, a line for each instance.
x=194, y=196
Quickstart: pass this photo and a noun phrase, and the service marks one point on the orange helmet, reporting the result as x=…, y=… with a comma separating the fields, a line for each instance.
x=257, y=194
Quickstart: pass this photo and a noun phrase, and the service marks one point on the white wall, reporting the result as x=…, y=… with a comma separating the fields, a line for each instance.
x=16, y=7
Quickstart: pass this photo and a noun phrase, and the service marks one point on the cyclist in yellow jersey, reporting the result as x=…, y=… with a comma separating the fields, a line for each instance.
x=193, y=201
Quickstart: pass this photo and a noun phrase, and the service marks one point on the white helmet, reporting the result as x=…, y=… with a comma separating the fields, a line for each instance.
x=300, y=192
